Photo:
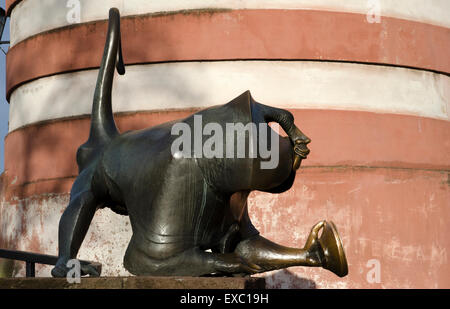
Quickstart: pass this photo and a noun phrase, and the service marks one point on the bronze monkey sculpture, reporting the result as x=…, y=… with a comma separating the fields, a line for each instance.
x=188, y=214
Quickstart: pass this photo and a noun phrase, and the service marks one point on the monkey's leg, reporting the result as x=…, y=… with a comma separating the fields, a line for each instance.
x=286, y=121
x=73, y=226
x=326, y=251
x=270, y=256
x=192, y=262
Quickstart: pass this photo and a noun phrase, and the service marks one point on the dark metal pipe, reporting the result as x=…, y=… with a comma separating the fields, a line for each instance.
x=36, y=258
x=2, y=24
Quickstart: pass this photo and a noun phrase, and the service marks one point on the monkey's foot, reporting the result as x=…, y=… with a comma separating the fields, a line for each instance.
x=329, y=248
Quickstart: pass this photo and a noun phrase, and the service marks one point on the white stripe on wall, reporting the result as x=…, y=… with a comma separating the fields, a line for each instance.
x=35, y=16
x=287, y=84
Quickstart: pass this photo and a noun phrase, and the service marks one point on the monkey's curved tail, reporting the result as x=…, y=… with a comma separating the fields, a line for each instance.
x=103, y=128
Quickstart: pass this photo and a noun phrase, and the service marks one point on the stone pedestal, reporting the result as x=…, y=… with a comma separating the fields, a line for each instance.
x=135, y=283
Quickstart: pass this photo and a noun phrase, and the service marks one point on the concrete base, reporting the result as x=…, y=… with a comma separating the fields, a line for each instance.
x=135, y=283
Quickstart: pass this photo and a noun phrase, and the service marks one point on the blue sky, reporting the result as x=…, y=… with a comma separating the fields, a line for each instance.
x=4, y=106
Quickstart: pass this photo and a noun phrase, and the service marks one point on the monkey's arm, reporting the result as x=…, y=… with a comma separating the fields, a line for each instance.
x=74, y=225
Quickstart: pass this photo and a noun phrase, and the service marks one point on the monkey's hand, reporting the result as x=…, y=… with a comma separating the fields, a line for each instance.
x=61, y=269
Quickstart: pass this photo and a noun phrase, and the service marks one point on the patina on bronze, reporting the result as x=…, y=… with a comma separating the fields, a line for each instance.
x=188, y=215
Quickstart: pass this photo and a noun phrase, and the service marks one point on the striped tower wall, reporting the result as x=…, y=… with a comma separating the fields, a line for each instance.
x=373, y=97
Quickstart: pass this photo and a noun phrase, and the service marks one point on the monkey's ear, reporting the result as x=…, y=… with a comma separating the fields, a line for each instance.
x=246, y=96
x=238, y=110
x=242, y=103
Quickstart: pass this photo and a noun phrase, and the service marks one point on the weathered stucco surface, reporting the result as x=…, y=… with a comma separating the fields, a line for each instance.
x=397, y=217
x=380, y=154
x=32, y=225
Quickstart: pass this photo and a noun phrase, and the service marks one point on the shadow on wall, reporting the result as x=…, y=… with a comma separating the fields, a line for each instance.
x=285, y=279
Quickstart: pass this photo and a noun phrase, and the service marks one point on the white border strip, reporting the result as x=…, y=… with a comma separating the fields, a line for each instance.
x=31, y=17
x=287, y=84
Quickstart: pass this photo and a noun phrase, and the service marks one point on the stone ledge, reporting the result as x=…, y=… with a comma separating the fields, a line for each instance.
x=135, y=283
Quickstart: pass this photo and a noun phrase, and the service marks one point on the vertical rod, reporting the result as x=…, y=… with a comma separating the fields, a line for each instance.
x=30, y=269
